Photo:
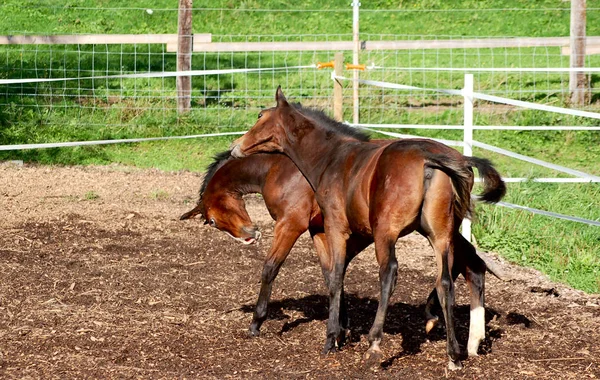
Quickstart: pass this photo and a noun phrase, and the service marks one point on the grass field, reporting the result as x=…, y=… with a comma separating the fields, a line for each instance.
x=98, y=109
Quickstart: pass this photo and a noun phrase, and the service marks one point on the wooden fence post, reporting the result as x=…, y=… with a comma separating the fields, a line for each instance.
x=338, y=97
x=184, y=56
x=578, y=84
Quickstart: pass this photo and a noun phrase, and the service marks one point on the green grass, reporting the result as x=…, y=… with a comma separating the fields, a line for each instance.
x=564, y=250
x=241, y=17
x=112, y=109
x=91, y=195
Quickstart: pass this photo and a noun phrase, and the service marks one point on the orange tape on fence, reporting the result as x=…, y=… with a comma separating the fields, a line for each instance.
x=322, y=65
x=350, y=66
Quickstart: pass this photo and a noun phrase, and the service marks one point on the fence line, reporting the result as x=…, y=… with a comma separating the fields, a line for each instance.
x=163, y=74
x=484, y=43
x=96, y=39
x=550, y=214
x=495, y=69
x=107, y=142
x=477, y=95
x=479, y=127
x=576, y=173
x=469, y=95
x=202, y=42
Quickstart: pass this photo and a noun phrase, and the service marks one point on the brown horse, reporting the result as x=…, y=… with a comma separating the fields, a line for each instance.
x=381, y=193
x=290, y=201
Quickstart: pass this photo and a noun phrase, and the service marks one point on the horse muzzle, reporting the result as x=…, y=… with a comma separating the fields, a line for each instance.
x=254, y=236
x=237, y=152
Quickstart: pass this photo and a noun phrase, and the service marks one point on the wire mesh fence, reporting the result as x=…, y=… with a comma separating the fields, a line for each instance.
x=228, y=100
x=129, y=106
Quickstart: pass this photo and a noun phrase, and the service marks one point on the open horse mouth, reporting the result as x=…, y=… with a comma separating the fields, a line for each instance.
x=248, y=240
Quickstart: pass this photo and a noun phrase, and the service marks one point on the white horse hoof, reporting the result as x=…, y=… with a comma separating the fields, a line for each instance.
x=454, y=365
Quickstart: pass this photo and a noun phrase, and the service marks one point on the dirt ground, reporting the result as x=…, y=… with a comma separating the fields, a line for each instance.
x=99, y=279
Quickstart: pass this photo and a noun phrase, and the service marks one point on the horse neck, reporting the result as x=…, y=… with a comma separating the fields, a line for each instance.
x=240, y=177
x=313, y=153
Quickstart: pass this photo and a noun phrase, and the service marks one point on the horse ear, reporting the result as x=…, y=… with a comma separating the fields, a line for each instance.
x=280, y=98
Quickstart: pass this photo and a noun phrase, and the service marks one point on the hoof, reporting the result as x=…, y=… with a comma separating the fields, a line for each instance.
x=473, y=347
x=253, y=332
x=342, y=338
x=431, y=324
x=328, y=350
x=373, y=357
x=454, y=365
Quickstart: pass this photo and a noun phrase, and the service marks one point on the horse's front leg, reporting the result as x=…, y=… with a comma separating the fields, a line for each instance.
x=286, y=234
x=388, y=274
x=335, y=284
x=355, y=245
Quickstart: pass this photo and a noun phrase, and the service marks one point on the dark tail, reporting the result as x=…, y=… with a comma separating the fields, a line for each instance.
x=494, y=187
x=193, y=212
x=461, y=174
x=462, y=179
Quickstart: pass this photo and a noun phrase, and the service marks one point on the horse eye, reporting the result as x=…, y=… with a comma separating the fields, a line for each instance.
x=260, y=115
x=212, y=222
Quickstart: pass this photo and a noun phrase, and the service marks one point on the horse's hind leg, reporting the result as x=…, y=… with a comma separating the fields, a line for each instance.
x=445, y=290
x=433, y=302
x=472, y=267
x=286, y=234
x=437, y=221
x=475, y=275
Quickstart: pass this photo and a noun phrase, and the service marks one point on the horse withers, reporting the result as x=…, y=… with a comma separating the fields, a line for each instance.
x=381, y=193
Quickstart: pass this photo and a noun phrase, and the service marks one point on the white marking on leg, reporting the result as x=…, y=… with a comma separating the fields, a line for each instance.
x=375, y=345
x=476, y=330
x=431, y=324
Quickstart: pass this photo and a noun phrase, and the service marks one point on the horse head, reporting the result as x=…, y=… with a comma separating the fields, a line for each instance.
x=275, y=129
x=227, y=212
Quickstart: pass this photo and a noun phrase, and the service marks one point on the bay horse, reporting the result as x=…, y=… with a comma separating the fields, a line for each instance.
x=378, y=193
x=291, y=203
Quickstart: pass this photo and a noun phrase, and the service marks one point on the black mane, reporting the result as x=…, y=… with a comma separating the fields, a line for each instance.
x=219, y=160
x=330, y=123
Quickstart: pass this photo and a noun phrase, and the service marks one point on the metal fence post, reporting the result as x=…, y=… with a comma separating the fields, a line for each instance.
x=468, y=137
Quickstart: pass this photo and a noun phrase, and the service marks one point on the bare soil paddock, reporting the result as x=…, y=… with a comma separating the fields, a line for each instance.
x=99, y=279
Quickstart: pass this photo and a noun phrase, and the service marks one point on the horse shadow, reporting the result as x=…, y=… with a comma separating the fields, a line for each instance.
x=402, y=318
